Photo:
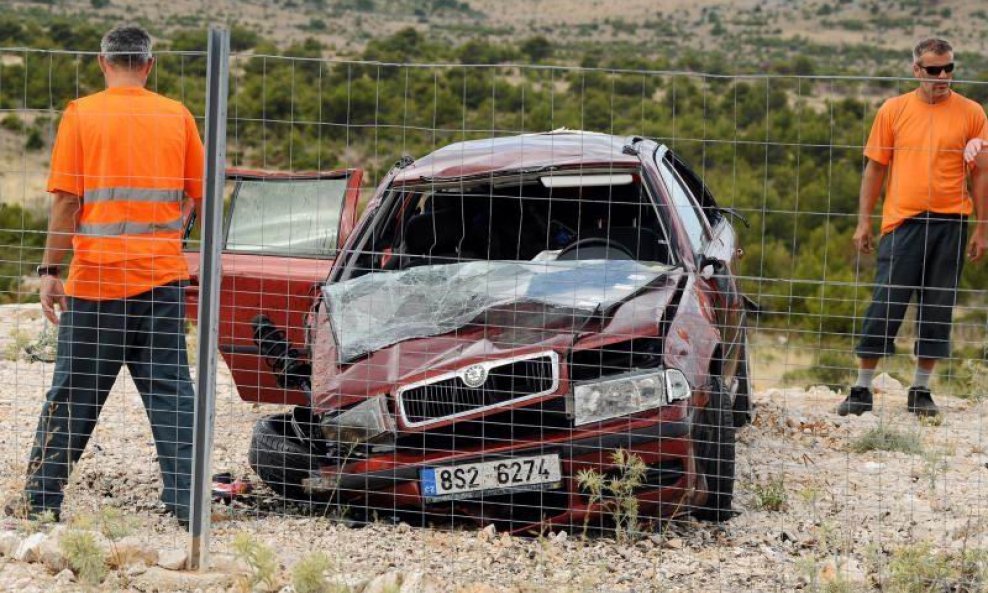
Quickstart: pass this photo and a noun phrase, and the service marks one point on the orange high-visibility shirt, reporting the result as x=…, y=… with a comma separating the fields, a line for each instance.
x=132, y=157
x=923, y=144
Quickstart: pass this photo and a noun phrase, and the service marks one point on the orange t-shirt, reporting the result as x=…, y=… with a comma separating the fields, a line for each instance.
x=131, y=155
x=923, y=144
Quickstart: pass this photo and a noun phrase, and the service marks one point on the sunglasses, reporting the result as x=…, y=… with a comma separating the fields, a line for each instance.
x=936, y=70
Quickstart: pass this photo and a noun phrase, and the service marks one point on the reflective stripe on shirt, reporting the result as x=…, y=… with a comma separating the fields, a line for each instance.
x=132, y=194
x=115, y=229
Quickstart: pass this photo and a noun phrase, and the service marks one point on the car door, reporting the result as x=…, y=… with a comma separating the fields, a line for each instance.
x=282, y=233
x=715, y=244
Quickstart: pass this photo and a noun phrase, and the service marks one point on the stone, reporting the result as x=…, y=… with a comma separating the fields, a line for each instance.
x=885, y=383
x=388, y=582
x=157, y=578
x=30, y=547
x=846, y=571
x=174, y=559
x=673, y=543
x=487, y=533
x=51, y=555
x=418, y=582
x=346, y=582
x=129, y=551
x=475, y=588
x=9, y=542
x=561, y=537
x=64, y=577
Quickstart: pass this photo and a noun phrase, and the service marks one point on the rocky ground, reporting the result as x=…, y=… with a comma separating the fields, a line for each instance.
x=814, y=514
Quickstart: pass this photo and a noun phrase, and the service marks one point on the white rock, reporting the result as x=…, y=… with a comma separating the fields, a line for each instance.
x=873, y=467
x=174, y=559
x=9, y=542
x=30, y=547
x=487, y=533
x=130, y=551
x=346, y=582
x=418, y=582
x=885, y=383
x=160, y=579
x=64, y=577
x=384, y=583
x=560, y=537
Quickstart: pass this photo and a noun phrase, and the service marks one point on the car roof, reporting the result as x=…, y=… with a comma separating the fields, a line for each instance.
x=491, y=156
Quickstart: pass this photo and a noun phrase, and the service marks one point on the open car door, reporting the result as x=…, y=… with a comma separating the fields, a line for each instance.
x=282, y=233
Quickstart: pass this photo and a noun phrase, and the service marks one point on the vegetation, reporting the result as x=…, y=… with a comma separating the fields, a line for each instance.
x=921, y=568
x=309, y=574
x=885, y=438
x=260, y=559
x=784, y=151
x=615, y=492
x=84, y=555
x=770, y=495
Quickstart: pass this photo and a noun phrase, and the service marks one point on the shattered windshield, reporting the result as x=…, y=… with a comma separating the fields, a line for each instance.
x=380, y=309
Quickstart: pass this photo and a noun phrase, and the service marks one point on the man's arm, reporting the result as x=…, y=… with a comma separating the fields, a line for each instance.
x=979, y=190
x=871, y=189
x=62, y=223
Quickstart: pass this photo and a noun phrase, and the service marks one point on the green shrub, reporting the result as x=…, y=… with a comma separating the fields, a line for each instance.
x=883, y=438
x=84, y=556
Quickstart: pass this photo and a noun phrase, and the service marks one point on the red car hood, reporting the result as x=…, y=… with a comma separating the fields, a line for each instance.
x=336, y=385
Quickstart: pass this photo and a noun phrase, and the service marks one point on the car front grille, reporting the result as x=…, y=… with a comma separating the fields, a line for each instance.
x=449, y=396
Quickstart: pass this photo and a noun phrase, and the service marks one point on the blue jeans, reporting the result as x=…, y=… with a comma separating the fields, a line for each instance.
x=95, y=338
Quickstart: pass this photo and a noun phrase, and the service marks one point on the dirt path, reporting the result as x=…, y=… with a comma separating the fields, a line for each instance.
x=807, y=502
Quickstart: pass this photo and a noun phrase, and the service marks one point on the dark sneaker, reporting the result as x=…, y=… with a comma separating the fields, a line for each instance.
x=920, y=402
x=857, y=402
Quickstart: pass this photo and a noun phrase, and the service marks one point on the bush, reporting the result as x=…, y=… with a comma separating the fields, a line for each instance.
x=883, y=438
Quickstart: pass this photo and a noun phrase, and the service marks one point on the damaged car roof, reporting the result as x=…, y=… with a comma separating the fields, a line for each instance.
x=526, y=152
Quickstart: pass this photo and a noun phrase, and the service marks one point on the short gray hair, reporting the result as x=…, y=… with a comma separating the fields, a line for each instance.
x=126, y=46
x=931, y=44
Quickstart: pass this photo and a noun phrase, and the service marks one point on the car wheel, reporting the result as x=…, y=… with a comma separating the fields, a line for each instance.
x=715, y=447
x=743, y=407
x=281, y=459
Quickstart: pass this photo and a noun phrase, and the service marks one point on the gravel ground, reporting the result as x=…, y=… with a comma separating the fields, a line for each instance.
x=810, y=508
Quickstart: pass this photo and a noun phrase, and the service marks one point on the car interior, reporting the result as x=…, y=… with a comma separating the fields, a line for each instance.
x=520, y=221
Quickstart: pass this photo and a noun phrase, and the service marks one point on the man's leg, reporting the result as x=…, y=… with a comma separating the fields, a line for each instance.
x=897, y=276
x=158, y=362
x=89, y=357
x=937, y=297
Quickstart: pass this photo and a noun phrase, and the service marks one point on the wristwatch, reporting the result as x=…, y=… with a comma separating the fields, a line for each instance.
x=48, y=271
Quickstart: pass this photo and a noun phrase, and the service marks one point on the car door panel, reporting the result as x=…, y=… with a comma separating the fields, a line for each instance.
x=265, y=280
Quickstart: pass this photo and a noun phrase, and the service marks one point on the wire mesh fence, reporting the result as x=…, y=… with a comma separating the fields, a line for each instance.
x=621, y=305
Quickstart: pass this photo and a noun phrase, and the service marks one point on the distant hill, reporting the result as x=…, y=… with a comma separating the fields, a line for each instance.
x=839, y=33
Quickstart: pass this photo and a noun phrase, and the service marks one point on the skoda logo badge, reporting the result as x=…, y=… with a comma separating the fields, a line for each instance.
x=475, y=376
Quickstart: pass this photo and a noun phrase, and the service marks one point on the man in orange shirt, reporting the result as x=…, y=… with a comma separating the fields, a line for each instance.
x=917, y=141
x=124, y=163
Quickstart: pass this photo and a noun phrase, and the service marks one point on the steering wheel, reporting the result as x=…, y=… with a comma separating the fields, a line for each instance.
x=595, y=248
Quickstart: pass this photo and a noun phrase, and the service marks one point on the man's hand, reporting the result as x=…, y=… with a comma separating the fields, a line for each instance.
x=978, y=243
x=52, y=293
x=973, y=148
x=863, y=241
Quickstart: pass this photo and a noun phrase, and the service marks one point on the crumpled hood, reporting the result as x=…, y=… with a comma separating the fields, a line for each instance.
x=490, y=337
x=377, y=310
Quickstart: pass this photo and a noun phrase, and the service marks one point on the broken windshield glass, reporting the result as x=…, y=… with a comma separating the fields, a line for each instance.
x=380, y=309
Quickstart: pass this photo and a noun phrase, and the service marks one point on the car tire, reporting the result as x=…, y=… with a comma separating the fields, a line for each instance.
x=714, y=446
x=743, y=406
x=281, y=459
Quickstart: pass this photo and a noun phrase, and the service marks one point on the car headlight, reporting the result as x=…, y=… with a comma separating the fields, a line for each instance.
x=368, y=421
x=626, y=394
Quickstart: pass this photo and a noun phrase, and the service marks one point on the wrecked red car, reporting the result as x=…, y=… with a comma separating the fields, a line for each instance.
x=508, y=317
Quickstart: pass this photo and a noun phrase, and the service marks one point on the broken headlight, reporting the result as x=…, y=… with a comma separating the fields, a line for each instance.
x=626, y=394
x=366, y=422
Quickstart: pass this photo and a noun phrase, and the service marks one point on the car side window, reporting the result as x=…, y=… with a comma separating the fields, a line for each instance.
x=685, y=206
x=298, y=218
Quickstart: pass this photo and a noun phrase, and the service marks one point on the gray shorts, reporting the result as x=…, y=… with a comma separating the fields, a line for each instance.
x=923, y=256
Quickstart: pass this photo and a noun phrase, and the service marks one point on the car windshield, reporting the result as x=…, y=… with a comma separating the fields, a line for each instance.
x=380, y=309
x=569, y=215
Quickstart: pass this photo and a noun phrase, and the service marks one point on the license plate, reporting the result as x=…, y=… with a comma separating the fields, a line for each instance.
x=491, y=477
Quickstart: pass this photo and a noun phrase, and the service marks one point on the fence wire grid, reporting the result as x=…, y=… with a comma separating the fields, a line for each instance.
x=577, y=327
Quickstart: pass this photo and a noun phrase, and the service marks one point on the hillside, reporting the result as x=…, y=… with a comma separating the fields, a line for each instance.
x=750, y=31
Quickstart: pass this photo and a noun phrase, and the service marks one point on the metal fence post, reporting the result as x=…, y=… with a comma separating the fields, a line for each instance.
x=209, y=285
